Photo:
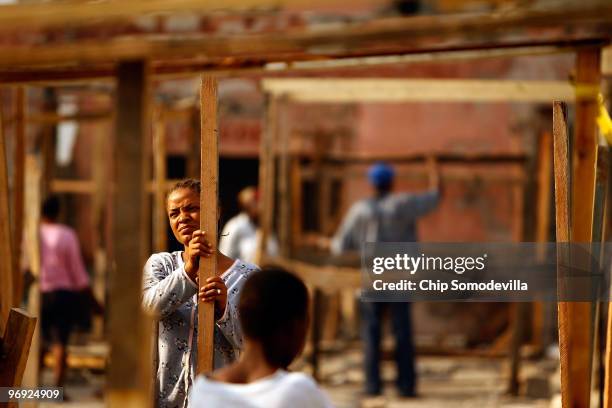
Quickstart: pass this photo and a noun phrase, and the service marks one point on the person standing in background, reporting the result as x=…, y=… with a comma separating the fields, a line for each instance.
x=387, y=217
x=64, y=284
x=241, y=235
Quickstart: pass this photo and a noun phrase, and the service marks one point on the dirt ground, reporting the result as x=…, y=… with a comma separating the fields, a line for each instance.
x=443, y=382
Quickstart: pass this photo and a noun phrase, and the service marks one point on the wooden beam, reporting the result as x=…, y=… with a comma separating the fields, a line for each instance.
x=128, y=377
x=385, y=36
x=52, y=118
x=562, y=174
x=18, y=190
x=267, y=175
x=6, y=247
x=584, y=148
x=284, y=133
x=329, y=278
x=364, y=90
x=160, y=221
x=543, y=200
x=33, y=201
x=37, y=16
x=209, y=198
x=15, y=346
x=173, y=70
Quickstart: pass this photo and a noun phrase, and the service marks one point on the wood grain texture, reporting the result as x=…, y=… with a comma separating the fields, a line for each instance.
x=584, y=149
x=209, y=177
x=562, y=174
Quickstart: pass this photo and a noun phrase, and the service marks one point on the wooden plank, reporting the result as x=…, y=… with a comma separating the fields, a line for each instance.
x=15, y=344
x=36, y=16
x=18, y=190
x=284, y=194
x=209, y=198
x=445, y=158
x=364, y=90
x=52, y=118
x=354, y=39
x=543, y=199
x=296, y=202
x=33, y=201
x=562, y=173
x=128, y=380
x=599, y=223
x=160, y=221
x=267, y=175
x=178, y=69
x=100, y=218
x=6, y=253
x=584, y=148
x=328, y=278
x=73, y=186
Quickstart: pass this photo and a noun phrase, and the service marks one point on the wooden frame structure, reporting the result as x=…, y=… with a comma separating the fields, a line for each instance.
x=132, y=61
x=359, y=90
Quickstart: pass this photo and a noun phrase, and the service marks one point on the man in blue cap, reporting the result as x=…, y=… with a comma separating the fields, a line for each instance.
x=387, y=217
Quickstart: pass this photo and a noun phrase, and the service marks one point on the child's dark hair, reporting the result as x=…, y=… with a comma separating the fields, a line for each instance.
x=51, y=207
x=190, y=184
x=274, y=311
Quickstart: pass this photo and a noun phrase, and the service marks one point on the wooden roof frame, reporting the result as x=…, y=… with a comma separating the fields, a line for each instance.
x=132, y=57
x=184, y=54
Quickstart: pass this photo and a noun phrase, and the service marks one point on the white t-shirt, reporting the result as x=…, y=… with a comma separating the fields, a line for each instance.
x=240, y=239
x=279, y=390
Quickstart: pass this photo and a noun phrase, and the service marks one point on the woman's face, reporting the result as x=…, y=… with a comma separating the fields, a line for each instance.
x=184, y=213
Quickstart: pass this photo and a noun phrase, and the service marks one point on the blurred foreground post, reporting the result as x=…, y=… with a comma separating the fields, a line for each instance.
x=129, y=377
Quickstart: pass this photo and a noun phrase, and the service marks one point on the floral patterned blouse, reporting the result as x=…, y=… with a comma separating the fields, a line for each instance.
x=170, y=295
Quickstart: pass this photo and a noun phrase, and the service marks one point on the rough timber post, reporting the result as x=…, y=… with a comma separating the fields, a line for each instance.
x=209, y=176
x=128, y=378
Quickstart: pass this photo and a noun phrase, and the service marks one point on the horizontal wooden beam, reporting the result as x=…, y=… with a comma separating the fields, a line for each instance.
x=73, y=186
x=338, y=90
x=328, y=278
x=170, y=70
x=448, y=158
x=384, y=36
x=448, y=174
x=53, y=118
x=60, y=14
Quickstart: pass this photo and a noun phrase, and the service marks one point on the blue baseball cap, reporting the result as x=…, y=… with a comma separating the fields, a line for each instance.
x=381, y=174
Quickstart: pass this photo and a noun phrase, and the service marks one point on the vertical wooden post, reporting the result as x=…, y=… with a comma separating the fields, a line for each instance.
x=267, y=175
x=597, y=252
x=100, y=215
x=296, y=201
x=544, y=172
x=209, y=176
x=6, y=263
x=284, y=135
x=578, y=317
x=159, y=163
x=18, y=186
x=562, y=215
x=33, y=200
x=128, y=377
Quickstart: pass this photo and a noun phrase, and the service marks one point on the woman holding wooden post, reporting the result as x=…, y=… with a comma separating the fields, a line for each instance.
x=169, y=292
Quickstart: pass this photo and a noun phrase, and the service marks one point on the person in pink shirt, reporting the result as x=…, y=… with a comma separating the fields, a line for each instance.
x=64, y=283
